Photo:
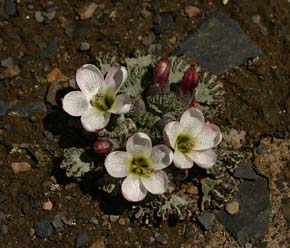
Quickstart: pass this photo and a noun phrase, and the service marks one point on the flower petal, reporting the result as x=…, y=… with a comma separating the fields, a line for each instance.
x=75, y=103
x=157, y=183
x=132, y=189
x=192, y=119
x=209, y=137
x=171, y=132
x=89, y=79
x=121, y=105
x=161, y=157
x=93, y=120
x=117, y=163
x=182, y=161
x=204, y=159
x=139, y=143
x=116, y=76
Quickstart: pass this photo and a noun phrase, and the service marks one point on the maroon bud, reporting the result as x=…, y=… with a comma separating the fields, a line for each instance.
x=161, y=72
x=102, y=147
x=189, y=80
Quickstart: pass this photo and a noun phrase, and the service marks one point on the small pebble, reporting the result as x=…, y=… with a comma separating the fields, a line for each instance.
x=57, y=224
x=7, y=62
x=192, y=11
x=206, y=219
x=114, y=218
x=47, y=205
x=43, y=229
x=4, y=229
x=160, y=238
x=99, y=243
x=82, y=239
x=94, y=221
x=256, y=19
x=87, y=12
x=85, y=46
x=19, y=167
x=39, y=17
x=233, y=207
x=48, y=135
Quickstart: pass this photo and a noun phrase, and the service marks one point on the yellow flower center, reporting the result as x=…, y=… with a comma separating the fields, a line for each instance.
x=140, y=166
x=184, y=143
x=102, y=102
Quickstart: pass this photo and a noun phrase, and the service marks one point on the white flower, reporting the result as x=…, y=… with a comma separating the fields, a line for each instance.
x=142, y=166
x=98, y=97
x=192, y=140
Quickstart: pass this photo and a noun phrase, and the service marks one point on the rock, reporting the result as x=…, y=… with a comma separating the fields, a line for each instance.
x=87, y=12
x=99, y=243
x=252, y=220
x=236, y=138
x=4, y=107
x=39, y=17
x=218, y=44
x=160, y=238
x=7, y=62
x=19, y=167
x=3, y=217
x=165, y=22
x=256, y=19
x=38, y=106
x=114, y=218
x=285, y=208
x=48, y=135
x=56, y=75
x=245, y=171
x=4, y=229
x=10, y=7
x=10, y=72
x=149, y=39
x=75, y=30
x=82, y=239
x=85, y=46
x=43, y=229
x=94, y=221
x=57, y=224
x=192, y=11
x=50, y=50
x=233, y=207
x=206, y=219
x=47, y=205
x=3, y=198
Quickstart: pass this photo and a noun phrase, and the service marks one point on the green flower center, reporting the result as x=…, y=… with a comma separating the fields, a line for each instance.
x=184, y=143
x=140, y=166
x=102, y=102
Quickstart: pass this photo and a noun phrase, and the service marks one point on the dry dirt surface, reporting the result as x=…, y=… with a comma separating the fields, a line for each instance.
x=36, y=37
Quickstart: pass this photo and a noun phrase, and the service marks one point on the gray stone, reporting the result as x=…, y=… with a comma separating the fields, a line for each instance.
x=43, y=229
x=50, y=50
x=94, y=221
x=39, y=17
x=160, y=238
x=57, y=223
x=245, y=171
x=3, y=217
x=4, y=107
x=149, y=39
x=253, y=218
x=38, y=106
x=206, y=219
x=85, y=46
x=3, y=198
x=10, y=7
x=82, y=239
x=165, y=22
x=4, y=229
x=48, y=135
x=218, y=44
x=7, y=62
x=285, y=208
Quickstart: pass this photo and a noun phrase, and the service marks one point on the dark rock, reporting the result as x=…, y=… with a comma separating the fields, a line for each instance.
x=245, y=171
x=57, y=223
x=3, y=198
x=4, y=107
x=48, y=135
x=4, y=229
x=7, y=62
x=165, y=22
x=82, y=239
x=219, y=44
x=43, y=229
x=260, y=149
x=285, y=208
x=280, y=185
x=206, y=219
x=10, y=7
x=252, y=220
x=38, y=106
x=50, y=50
x=75, y=30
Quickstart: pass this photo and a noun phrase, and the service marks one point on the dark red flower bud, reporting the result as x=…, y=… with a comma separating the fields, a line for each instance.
x=161, y=72
x=102, y=147
x=189, y=80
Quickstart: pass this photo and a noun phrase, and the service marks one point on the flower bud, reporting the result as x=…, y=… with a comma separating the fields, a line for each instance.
x=161, y=72
x=189, y=80
x=102, y=147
